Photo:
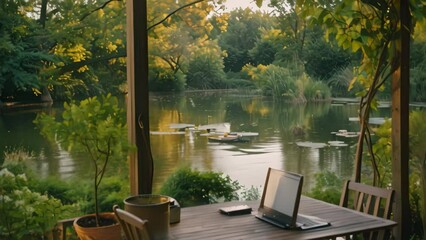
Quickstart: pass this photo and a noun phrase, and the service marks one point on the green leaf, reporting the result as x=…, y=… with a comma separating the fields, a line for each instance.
x=356, y=46
x=259, y=3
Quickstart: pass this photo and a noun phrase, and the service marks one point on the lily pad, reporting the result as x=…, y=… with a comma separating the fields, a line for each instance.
x=311, y=144
x=337, y=144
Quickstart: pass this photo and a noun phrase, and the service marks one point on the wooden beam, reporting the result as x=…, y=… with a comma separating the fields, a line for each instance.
x=400, y=119
x=141, y=164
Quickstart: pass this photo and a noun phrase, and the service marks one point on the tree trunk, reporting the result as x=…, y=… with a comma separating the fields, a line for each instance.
x=43, y=13
x=423, y=175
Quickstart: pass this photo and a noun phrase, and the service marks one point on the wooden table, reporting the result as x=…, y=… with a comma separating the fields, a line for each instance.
x=205, y=222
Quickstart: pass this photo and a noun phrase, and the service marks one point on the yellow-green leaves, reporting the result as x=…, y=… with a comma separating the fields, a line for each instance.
x=94, y=126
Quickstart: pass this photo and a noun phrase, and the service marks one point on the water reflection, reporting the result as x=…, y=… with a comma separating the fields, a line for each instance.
x=280, y=125
x=247, y=162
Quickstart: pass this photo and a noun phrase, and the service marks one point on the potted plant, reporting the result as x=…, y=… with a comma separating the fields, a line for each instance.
x=97, y=128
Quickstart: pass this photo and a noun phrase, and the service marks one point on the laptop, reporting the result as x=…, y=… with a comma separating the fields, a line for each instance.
x=280, y=202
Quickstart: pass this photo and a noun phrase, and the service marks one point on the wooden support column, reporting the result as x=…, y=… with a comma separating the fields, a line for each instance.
x=400, y=119
x=141, y=164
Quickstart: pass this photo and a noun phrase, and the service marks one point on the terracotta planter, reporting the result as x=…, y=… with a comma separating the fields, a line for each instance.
x=110, y=232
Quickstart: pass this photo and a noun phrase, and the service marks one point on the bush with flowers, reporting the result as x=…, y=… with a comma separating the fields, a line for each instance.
x=26, y=214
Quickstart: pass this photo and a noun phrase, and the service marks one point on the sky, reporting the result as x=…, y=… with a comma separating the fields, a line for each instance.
x=232, y=4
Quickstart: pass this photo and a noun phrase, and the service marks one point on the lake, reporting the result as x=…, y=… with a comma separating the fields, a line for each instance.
x=284, y=132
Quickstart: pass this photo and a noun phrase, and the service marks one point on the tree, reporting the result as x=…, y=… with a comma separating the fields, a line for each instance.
x=371, y=29
x=322, y=59
x=242, y=32
x=418, y=63
x=418, y=154
x=97, y=128
x=22, y=56
x=89, y=40
x=205, y=67
x=292, y=24
x=172, y=40
x=270, y=42
x=380, y=31
x=71, y=48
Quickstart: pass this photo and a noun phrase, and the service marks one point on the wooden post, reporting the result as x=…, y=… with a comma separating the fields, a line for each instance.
x=400, y=119
x=141, y=164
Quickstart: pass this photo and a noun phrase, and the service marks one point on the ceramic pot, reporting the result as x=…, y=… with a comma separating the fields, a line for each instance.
x=155, y=209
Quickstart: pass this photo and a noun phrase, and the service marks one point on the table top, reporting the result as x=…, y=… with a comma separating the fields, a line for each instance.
x=205, y=222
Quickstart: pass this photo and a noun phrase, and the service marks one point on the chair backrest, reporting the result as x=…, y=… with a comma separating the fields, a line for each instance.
x=368, y=199
x=133, y=227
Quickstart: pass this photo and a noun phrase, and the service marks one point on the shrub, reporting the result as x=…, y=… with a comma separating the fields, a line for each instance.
x=328, y=187
x=272, y=80
x=26, y=214
x=383, y=150
x=238, y=84
x=250, y=194
x=340, y=83
x=205, y=67
x=317, y=91
x=165, y=80
x=192, y=187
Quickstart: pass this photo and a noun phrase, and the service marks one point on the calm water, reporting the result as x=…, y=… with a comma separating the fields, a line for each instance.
x=247, y=162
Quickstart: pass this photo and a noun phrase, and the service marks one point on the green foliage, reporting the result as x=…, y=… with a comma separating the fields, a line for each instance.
x=317, y=91
x=89, y=43
x=357, y=27
x=238, y=80
x=293, y=26
x=383, y=150
x=173, y=42
x=283, y=83
x=273, y=81
x=238, y=84
x=373, y=29
x=328, y=187
x=250, y=194
x=271, y=41
x=340, y=82
x=205, y=68
x=263, y=53
x=77, y=49
x=244, y=28
x=25, y=213
x=418, y=72
x=22, y=55
x=161, y=79
x=95, y=127
x=115, y=189
x=322, y=60
x=418, y=154
x=192, y=187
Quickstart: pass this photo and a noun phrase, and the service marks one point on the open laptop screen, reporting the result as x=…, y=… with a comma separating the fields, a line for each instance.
x=282, y=192
x=281, y=195
x=280, y=202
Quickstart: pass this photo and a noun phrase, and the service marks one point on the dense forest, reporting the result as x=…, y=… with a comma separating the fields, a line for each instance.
x=64, y=50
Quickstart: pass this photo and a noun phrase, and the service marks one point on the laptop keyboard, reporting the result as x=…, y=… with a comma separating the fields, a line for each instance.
x=309, y=221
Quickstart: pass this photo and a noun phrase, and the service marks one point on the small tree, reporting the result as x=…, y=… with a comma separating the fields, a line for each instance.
x=95, y=127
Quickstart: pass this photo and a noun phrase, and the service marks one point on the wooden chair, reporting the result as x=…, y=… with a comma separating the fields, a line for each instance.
x=368, y=199
x=60, y=230
x=133, y=227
